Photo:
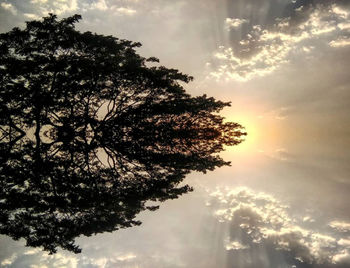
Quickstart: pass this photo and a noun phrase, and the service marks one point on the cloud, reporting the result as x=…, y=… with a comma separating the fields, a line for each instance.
x=36, y=258
x=9, y=7
x=343, y=257
x=126, y=257
x=265, y=49
x=32, y=251
x=31, y=16
x=308, y=219
x=60, y=260
x=96, y=257
x=344, y=242
x=341, y=226
x=259, y=221
x=38, y=1
x=64, y=6
x=40, y=8
x=9, y=260
x=344, y=26
x=231, y=23
x=280, y=154
x=340, y=11
x=234, y=245
x=124, y=11
x=114, y=260
x=280, y=113
x=341, y=42
x=100, y=5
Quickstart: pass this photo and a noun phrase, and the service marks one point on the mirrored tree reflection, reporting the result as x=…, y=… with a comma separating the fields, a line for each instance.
x=90, y=133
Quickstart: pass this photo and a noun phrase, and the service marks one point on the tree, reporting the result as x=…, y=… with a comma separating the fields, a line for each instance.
x=90, y=133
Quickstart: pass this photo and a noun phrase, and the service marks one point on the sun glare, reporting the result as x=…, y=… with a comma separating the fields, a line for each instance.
x=251, y=140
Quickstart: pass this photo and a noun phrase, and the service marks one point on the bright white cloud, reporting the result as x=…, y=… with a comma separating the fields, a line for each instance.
x=343, y=257
x=344, y=26
x=32, y=251
x=263, y=51
x=100, y=5
x=125, y=11
x=341, y=226
x=57, y=7
x=31, y=16
x=9, y=7
x=38, y=1
x=61, y=260
x=117, y=9
x=344, y=242
x=9, y=260
x=41, y=259
x=232, y=23
x=126, y=257
x=267, y=221
x=340, y=11
x=64, y=6
x=234, y=245
x=341, y=42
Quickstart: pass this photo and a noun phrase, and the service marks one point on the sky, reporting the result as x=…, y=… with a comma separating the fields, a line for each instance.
x=284, y=65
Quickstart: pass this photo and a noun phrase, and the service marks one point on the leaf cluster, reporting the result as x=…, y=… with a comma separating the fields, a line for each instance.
x=90, y=133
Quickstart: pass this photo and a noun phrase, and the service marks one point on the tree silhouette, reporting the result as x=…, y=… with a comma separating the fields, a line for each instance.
x=90, y=133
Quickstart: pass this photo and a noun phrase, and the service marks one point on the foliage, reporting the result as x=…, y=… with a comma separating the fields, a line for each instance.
x=90, y=133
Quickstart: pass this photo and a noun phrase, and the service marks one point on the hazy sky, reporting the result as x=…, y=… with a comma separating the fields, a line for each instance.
x=285, y=67
x=274, y=59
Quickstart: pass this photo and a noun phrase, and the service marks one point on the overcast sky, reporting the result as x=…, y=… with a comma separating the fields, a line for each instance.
x=284, y=65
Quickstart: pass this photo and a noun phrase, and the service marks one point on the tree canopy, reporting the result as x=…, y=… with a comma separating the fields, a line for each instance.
x=90, y=133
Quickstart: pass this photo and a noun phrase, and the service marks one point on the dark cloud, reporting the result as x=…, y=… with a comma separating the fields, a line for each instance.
x=263, y=233
x=265, y=47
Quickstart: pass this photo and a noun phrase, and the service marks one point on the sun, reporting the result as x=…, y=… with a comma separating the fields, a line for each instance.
x=250, y=123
